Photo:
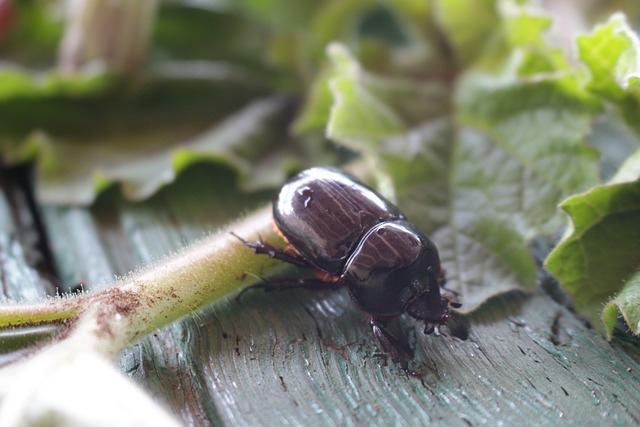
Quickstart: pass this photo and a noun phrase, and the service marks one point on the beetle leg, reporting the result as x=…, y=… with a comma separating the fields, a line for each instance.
x=261, y=247
x=287, y=284
x=400, y=353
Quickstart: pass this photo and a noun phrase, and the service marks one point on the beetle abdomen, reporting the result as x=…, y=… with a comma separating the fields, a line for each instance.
x=324, y=212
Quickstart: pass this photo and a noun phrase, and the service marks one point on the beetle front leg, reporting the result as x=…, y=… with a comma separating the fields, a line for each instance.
x=261, y=247
x=400, y=353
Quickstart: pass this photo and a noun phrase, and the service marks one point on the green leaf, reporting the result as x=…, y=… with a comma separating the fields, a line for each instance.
x=482, y=173
x=627, y=304
x=17, y=83
x=598, y=258
x=100, y=133
x=526, y=28
x=390, y=37
x=181, y=27
x=471, y=27
x=89, y=131
x=315, y=112
x=612, y=56
x=540, y=122
x=486, y=33
x=71, y=172
x=509, y=172
x=367, y=108
x=279, y=15
x=356, y=109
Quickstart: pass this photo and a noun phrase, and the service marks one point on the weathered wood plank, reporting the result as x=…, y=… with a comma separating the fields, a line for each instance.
x=19, y=252
x=301, y=358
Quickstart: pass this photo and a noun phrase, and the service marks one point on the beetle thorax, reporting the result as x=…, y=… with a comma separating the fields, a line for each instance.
x=391, y=265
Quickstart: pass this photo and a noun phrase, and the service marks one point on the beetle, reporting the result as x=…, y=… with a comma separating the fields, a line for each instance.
x=353, y=237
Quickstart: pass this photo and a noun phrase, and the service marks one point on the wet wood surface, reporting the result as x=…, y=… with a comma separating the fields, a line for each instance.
x=309, y=358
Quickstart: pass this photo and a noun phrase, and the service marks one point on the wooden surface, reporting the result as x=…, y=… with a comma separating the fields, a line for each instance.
x=308, y=358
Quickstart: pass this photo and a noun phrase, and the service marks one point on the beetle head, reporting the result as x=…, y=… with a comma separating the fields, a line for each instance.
x=431, y=306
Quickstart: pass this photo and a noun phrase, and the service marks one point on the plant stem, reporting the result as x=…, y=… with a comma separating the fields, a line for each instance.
x=115, y=33
x=44, y=312
x=111, y=319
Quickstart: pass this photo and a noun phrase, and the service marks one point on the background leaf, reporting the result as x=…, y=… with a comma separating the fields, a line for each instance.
x=472, y=27
x=100, y=134
x=142, y=162
x=612, y=55
x=481, y=172
x=627, y=304
x=599, y=254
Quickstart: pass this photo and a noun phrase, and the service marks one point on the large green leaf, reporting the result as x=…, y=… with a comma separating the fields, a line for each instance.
x=598, y=259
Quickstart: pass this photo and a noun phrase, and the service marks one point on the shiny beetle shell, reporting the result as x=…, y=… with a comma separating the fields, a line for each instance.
x=347, y=229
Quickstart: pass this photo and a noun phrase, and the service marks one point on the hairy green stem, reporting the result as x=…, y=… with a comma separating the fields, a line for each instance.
x=48, y=311
x=111, y=319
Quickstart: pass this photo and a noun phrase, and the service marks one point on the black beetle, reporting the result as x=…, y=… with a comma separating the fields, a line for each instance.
x=356, y=238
